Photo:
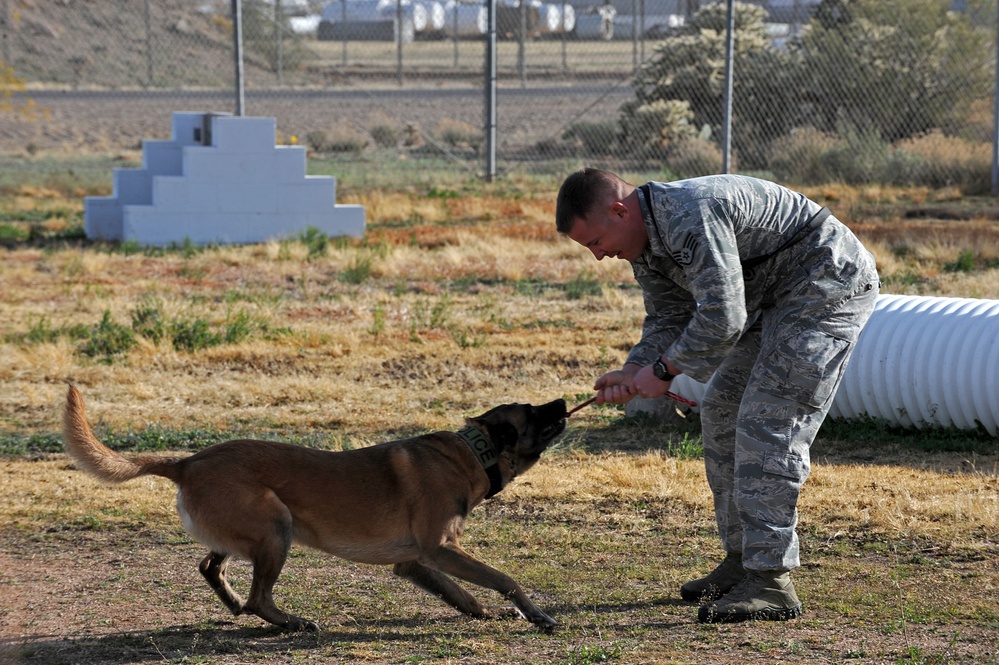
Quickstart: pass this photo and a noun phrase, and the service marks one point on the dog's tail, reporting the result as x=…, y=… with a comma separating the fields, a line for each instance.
x=97, y=459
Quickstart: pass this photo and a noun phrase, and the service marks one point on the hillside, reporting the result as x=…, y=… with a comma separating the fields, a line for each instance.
x=96, y=44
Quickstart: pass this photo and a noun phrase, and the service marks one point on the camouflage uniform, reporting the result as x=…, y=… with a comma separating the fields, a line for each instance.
x=750, y=289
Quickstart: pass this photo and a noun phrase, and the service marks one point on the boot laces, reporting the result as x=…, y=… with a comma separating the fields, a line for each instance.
x=751, y=585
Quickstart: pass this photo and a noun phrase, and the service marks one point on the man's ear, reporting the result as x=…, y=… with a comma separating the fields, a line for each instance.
x=619, y=209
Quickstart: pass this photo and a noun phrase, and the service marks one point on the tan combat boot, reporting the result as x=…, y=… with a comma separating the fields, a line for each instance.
x=717, y=583
x=762, y=596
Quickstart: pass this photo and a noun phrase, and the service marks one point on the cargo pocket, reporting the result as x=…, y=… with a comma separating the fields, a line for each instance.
x=806, y=367
x=789, y=466
x=783, y=476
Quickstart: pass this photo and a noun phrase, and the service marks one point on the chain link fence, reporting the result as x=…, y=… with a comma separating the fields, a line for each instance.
x=856, y=91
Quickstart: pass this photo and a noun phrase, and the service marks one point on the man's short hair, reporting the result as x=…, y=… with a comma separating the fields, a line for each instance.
x=580, y=193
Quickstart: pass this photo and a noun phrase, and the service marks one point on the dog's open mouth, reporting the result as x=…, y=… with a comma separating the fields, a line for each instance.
x=555, y=413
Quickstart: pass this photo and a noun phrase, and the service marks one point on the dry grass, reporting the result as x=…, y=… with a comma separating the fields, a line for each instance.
x=449, y=306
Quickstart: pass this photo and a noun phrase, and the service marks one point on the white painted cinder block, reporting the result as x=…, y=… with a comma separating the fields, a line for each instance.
x=289, y=163
x=305, y=196
x=102, y=218
x=256, y=197
x=162, y=157
x=180, y=194
x=133, y=186
x=186, y=128
x=243, y=134
x=245, y=167
x=238, y=188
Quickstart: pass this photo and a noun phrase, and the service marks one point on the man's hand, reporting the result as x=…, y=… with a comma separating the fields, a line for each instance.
x=616, y=387
x=647, y=385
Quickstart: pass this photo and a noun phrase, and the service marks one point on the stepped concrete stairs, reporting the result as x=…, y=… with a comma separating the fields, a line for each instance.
x=219, y=180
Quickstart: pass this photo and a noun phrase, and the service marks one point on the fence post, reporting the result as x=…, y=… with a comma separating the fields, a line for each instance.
x=995, y=118
x=343, y=14
x=490, y=91
x=398, y=48
x=237, y=48
x=279, y=41
x=729, y=61
x=4, y=30
x=149, y=44
x=522, y=44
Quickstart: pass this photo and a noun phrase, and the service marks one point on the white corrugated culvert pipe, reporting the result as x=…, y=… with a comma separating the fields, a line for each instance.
x=920, y=361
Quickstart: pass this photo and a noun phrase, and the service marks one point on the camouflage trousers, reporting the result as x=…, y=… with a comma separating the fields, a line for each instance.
x=762, y=409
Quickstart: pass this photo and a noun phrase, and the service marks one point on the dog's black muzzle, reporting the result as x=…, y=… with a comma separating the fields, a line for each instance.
x=551, y=420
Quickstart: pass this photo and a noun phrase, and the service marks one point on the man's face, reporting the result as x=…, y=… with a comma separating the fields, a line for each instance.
x=611, y=232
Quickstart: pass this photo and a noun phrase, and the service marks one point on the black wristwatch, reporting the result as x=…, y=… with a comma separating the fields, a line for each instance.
x=661, y=372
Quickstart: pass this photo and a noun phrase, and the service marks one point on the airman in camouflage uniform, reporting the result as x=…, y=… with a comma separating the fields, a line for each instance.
x=761, y=293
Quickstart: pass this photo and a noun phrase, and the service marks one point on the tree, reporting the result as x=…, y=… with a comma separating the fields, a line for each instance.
x=689, y=69
x=893, y=66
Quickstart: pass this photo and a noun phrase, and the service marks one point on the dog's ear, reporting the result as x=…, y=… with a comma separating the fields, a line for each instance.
x=501, y=433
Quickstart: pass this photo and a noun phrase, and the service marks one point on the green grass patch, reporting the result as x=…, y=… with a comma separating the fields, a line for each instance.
x=108, y=340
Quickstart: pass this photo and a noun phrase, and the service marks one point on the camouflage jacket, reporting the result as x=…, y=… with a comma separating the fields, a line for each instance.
x=721, y=250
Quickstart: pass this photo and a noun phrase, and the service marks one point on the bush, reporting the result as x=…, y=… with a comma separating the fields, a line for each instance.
x=650, y=129
x=194, y=335
x=458, y=134
x=801, y=157
x=338, y=139
x=385, y=136
x=593, y=138
x=346, y=140
x=148, y=320
x=940, y=161
x=108, y=339
x=694, y=157
x=862, y=157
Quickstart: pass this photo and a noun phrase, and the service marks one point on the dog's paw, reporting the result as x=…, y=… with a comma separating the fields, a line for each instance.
x=504, y=612
x=298, y=625
x=545, y=623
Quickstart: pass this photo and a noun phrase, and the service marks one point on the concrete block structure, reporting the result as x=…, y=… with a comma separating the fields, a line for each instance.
x=219, y=180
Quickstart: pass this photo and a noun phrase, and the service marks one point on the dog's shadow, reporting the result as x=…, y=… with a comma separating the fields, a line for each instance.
x=204, y=641
x=208, y=640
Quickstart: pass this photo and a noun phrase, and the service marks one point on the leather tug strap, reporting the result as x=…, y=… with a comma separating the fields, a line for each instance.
x=484, y=451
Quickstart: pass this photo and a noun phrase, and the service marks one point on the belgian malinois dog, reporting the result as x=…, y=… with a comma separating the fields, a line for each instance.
x=402, y=502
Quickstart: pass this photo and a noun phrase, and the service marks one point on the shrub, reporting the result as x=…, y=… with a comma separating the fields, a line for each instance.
x=593, y=138
x=42, y=332
x=148, y=321
x=694, y=157
x=344, y=139
x=862, y=157
x=648, y=130
x=385, y=136
x=940, y=161
x=315, y=240
x=108, y=339
x=357, y=271
x=316, y=140
x=340, y=139
x=193, y=335
x=457, y=134
x=800, y=157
